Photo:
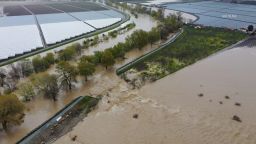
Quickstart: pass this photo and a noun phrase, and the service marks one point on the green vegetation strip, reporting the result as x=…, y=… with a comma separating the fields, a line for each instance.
x=193, y=45
x=131, y=64
x=82, y=103
x=99, y=31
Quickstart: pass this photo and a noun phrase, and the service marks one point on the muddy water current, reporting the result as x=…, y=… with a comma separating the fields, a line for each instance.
x=170, y=110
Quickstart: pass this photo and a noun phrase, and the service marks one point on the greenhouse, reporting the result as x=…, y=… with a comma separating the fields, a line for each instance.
x=219, y=14
x=28, y=27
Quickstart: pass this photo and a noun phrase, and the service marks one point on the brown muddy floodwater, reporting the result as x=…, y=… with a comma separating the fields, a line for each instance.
x=39, y=110
x=169, y=111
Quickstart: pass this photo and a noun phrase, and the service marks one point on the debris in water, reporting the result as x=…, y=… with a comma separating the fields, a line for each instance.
x=135, y=116
x=227, y=97
x=210, y=100
x=236, y=118
x=220, y=102
x=74, y=138
x=201, y=95
x=238, y=104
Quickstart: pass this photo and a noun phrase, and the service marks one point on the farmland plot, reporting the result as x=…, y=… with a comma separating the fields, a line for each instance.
x=98, y=19
x=18, y=34
x=58, y=27
x=25, y=28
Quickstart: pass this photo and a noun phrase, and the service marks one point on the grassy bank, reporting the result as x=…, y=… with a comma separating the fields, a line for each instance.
x=194, y=44
x=131, y=64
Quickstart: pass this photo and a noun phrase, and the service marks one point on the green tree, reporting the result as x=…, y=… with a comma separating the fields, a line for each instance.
x=15, y=72
x=47, y=85
x=11, y=111
x=10, y=84
x=86, y=68
x=107, y=59
x=154, y=14
x=67, y=74
x=39, y=64
x=160, y=14
x=98, y=56
x=67, y=54
x=26, y=90
x=2, y=77
x=26, y=67
x=95, y=40
x=89, y=58
x=118, y=50
x=49, y=59
x=113, y=34
x=153, y=35
x=172, y=23
x=78, y=48
x=86, y=43
x=138, y=39
x=164, y=33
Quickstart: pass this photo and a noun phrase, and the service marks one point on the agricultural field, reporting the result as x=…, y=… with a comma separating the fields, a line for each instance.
x=193, y=45
x=19, y=34
x=48, y=24
x=15, y=11
x=88, y=6
x=40, y=9
x=95, y=16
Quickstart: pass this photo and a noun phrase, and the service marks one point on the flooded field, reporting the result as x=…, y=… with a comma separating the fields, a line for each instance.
x=192, y=106
x=41, y=109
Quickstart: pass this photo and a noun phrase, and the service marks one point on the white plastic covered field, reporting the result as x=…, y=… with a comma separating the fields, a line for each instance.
x=20, y=34
x=101, y=23
x=23, y=36
x=18, y=39
x=61, y=26
x=98, y=19
x=56, y=32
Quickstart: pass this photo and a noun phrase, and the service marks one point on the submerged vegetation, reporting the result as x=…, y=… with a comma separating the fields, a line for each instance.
x=11, y=111
x=193, y=45
x=128, y=27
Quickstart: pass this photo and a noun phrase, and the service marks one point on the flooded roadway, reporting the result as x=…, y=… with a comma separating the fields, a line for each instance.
x=170, y=110
x=40, y=109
